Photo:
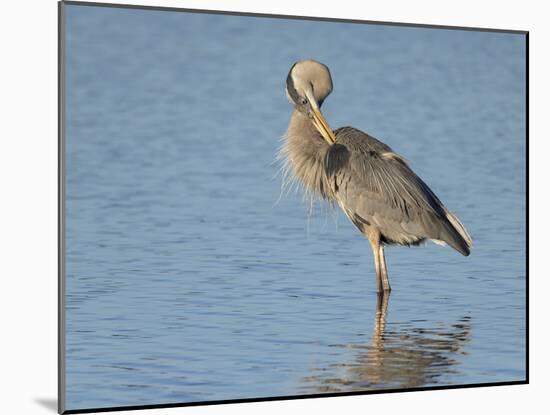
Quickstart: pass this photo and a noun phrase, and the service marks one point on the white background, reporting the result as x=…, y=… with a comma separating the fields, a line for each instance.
x=28, y=208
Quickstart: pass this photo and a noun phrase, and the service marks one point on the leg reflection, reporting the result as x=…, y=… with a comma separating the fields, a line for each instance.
x=400, y=354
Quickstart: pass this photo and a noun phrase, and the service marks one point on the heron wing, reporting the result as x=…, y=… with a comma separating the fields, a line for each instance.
x=375, y=186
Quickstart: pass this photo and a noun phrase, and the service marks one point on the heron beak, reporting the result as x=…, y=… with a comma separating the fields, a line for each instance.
x=322, y=126
x=319, y=121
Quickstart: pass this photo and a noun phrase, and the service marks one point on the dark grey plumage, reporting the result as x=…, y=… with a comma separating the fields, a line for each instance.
x=376, y=187
x=372, y=184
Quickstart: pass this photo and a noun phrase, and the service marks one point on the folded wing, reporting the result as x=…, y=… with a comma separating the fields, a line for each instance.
x=376, y=187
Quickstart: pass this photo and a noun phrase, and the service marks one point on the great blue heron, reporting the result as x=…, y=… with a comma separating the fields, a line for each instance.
x=373, y=185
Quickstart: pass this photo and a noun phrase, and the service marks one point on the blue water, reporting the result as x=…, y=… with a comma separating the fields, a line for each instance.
x=191, y=278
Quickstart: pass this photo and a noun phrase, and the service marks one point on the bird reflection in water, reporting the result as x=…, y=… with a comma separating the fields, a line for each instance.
x=404, y=357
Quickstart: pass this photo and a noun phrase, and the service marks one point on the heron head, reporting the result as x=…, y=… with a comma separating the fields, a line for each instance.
x=307, y=85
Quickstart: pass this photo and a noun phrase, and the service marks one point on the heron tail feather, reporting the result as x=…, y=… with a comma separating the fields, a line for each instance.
x=457, y=236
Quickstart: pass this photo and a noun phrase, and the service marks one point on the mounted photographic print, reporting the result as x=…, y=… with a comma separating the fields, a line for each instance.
x=256, y=207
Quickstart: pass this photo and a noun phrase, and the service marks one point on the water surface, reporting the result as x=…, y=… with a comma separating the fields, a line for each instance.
x=190, y=278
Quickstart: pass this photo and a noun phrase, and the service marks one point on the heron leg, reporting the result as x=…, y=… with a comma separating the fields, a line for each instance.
x=375, y=244
x=384, y=269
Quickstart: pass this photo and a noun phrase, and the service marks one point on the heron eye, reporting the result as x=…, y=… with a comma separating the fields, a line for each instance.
x=303, y=101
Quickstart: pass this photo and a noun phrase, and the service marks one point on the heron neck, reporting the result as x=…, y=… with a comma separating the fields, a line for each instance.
x=302, y=134
x=305, y=150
